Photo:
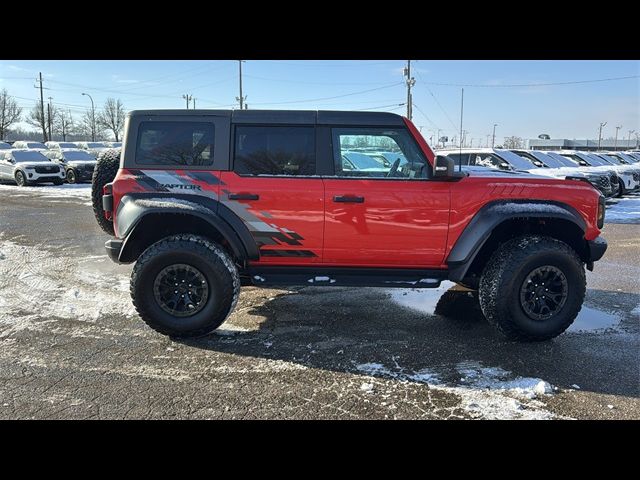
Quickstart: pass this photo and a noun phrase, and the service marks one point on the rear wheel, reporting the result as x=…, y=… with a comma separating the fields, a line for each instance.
x=532, y=288
x=184, y=286
x=104, y=172
x=621, y=189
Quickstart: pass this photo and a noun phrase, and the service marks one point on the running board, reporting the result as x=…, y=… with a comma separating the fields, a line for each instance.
x=345, y=277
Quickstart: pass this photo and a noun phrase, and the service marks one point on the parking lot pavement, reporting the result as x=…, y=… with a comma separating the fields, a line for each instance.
x=71, y=345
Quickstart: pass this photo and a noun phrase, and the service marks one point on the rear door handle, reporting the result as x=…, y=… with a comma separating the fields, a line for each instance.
x=348, y=199
x=243, y=196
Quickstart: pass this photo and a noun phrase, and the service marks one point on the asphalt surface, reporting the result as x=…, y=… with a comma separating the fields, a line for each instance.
x=71, y=346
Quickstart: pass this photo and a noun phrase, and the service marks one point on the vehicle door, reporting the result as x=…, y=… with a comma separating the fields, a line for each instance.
x=274, y=188
x=381, y=209
x=6, y=166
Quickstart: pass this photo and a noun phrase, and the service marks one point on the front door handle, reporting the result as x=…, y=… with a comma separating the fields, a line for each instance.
x=244, y=196
x=348, y=199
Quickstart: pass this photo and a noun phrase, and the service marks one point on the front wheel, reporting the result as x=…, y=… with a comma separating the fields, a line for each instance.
x=71, y=176
x=21, y=180
x=184, y=286
x=532, y=288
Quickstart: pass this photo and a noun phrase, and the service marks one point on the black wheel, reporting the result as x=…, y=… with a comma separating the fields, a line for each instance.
x=58, y=181
x=71, y=176
x=184, y=286
x=532, y=288
x=21, y=180
x=103, y=173
x=621, y=190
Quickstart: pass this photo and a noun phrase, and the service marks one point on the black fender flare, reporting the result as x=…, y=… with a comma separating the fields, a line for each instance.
x=479, y=229
x=133, y=208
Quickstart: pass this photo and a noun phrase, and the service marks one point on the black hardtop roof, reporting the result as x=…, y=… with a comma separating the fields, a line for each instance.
x=303, y=117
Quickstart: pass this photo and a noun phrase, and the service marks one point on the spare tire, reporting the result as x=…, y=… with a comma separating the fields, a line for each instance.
x=104, y=172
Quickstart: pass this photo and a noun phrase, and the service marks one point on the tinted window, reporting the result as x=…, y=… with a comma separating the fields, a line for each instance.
x=377, y=153
x=175, y=143
x=275, y=151
x=78, y=155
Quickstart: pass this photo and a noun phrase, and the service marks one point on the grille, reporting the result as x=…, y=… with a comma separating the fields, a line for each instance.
x=48, y=169
x=636, y=176
x=603, y=182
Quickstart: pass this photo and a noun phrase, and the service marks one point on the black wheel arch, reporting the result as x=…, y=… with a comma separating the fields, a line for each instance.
x=500, y=220
x=143, y=219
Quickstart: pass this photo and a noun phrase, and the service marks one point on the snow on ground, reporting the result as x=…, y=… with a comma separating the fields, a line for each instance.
x=485, y=392
x=626, y=210
x=76, y=190
x=37, y=286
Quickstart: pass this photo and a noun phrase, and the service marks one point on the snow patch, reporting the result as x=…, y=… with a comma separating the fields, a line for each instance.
x=626, y=210
x=173, y=203
x=76, y=190
x=424, y=300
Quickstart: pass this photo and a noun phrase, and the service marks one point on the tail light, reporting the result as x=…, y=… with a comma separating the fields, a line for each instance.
x=107, y=201
x=601, y=209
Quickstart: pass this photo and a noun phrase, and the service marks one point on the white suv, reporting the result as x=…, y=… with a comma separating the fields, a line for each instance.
x=26, y=167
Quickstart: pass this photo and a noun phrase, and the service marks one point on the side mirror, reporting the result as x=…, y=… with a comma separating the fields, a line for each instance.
x=505, y=166
x=443, y=166
x=11, y=160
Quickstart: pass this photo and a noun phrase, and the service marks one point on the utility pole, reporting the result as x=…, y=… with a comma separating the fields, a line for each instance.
x=194, y=102
x=493, y=140
x=629, y=141
x=49, y=119
x=602, y=124
x=93, y=117
x=488, y=136
x=42, y=120
x=241, y=99
x=187, y=97
x=615, y=144
x=410, y=83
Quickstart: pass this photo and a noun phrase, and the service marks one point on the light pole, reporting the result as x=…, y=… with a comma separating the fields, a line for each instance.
x=629, y=141
x=493, y=139
x=602, y=124
x=93, y=118
x=615, y=144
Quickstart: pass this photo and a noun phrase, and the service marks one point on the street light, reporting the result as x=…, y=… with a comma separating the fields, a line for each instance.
x=600, y=134
x=93, y=118
x=629, y=141
x=493, y=141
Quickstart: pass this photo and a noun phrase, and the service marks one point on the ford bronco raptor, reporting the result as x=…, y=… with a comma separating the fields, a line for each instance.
x=204, y=201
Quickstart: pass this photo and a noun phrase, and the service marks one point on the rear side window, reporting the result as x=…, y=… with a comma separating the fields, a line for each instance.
x=275, y=151
x=175, y=143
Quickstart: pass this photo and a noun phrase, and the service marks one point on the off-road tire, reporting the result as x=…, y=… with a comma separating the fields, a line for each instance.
x=505, y=274
x=104, y=172
x=211, y=260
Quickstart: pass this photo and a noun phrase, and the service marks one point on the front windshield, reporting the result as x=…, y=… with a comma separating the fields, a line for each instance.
x=4, y=146
x=515, y=160
x=611, y=159
x=36, y=145
x=566, y=162
x=78, y=155
x=66, y=145
x=96, y=145
x=594, y=159
x=548, y=160
x=26, y=156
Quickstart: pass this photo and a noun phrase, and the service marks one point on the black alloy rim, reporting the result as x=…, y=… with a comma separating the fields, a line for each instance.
x=181, y=290
x=544, y=292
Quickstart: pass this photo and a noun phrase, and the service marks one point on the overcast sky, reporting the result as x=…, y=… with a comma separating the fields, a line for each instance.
x=495, y=92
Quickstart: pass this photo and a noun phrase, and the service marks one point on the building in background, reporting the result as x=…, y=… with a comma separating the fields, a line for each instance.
x=585, y=145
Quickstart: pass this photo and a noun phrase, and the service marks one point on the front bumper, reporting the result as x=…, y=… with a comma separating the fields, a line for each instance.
x=113, y=248
x=44, y=177
x=82, y=174
x=596, y=247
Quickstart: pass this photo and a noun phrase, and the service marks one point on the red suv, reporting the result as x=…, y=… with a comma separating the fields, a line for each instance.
x=205, y=201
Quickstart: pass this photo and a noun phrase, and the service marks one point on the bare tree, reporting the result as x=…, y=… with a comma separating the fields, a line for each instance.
x=63, y=124
x=112, y=117
x=89, y=126
x=38, y=118
x=513, y=142
x=9, y=112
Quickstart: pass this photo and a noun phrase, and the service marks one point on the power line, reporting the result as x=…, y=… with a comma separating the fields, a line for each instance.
x=309, y=83
x=437, y=102
x=384, y=106
x=426, y=116
x=331, y=98
x=508, y=85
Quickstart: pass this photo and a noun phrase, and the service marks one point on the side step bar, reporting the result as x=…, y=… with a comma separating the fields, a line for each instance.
x=346, y=277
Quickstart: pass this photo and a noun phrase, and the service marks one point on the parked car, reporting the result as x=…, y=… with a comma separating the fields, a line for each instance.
x=60, y=145
x=5, y=146
x=623, y=162
x=26, y=167
x=114, y=144
x=93, y=147
x=563, y=167
x=272, y=204
x=587, y=159
x=30, y=145
x=78, y=164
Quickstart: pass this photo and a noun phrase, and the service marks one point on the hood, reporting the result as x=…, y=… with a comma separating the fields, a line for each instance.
x=37, y=164
x=475, y=171
x=81, y=163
